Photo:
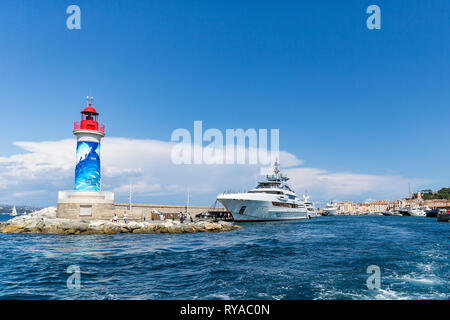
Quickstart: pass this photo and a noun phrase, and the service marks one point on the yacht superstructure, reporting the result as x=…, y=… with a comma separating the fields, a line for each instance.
x=271, y=200
x=330, y=210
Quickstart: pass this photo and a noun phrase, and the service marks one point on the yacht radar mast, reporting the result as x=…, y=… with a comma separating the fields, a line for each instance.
x=277, y=175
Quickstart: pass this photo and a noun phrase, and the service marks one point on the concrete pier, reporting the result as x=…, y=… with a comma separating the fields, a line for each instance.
x=91, y=205
x=45, y=221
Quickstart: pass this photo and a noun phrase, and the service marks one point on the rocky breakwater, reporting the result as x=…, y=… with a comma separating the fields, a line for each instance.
x=45, y=221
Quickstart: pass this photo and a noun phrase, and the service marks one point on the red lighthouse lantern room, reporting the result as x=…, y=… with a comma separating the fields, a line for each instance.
x=89, y=120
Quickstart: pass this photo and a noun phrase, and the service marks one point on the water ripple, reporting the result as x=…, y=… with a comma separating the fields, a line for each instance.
x=323, y=258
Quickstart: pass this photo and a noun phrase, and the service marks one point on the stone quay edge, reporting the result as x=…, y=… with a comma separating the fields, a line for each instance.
x=45, y=222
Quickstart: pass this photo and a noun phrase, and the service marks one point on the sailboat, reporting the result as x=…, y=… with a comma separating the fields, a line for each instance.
x=14, y=211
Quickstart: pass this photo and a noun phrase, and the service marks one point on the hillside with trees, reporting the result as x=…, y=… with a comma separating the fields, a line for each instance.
x=443, y=193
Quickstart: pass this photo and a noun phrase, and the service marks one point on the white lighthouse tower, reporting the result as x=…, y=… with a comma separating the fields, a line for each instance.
x=87, y=200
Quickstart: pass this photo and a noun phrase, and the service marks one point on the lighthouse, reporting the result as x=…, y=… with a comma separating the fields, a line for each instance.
x=87, y=200
x=89, y=133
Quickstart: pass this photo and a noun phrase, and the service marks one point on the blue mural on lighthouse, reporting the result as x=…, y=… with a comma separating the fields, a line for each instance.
x=87, y=171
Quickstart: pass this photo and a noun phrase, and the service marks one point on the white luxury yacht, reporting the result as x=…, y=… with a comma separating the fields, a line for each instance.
x=330, y=210
x=271, y=200
x=415, y=212
x=309, y=206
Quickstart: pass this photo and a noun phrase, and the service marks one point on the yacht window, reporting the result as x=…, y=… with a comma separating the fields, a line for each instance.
x=266, y=191
x=286, y=205
x=242, y=210
x=268, y=185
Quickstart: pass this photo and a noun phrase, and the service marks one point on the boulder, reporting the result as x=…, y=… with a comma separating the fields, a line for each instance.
x=177, y=228
x=212, y=227
x=10, y=228
x=146, y=228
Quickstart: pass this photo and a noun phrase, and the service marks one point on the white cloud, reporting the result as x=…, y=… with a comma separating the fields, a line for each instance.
x=46, y=167
x=43, y=162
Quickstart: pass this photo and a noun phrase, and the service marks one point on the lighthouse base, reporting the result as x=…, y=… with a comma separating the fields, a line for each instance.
x=89, y=205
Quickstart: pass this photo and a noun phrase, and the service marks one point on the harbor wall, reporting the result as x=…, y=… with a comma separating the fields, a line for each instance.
x=138, y=212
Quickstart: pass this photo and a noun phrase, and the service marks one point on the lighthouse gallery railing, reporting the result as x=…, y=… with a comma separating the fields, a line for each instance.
x=89, y=126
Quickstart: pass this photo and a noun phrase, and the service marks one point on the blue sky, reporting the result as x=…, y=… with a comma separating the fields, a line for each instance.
x=346, y=99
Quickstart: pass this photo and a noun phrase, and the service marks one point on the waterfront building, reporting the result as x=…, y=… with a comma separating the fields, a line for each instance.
x=363, y=208
x=345, y=207
x=436, y=203
x=394, y=205
x=378, y=206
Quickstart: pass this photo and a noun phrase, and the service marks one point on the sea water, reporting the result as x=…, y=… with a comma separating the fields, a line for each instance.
x=321, y=258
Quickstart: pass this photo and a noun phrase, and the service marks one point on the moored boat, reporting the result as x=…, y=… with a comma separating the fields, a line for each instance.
x=413, y=212
x=330, y=210
x=271, y=200
x=432, y=213
x=443, y=215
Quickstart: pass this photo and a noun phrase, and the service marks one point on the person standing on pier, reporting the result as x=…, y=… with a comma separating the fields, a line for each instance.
x=125, y=217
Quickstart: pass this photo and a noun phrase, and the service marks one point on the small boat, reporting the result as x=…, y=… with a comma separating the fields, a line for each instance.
x=397, y=213
x=216, y=215
x=432, y=213
x=14, y=211
x=393, y=213
x=413, y=212
x=418, y=212
x=443, y=215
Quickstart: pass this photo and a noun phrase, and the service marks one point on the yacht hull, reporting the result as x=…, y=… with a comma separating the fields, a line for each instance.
x=330, y=213
x=259, y=211
x=418, y=214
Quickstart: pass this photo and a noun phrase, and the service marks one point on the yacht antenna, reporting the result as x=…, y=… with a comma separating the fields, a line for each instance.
x=276, y=166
